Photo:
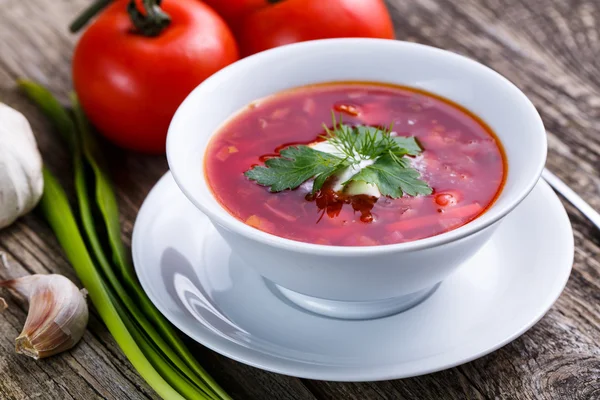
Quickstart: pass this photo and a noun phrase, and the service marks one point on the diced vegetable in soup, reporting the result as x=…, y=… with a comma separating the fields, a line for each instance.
x=355, y=164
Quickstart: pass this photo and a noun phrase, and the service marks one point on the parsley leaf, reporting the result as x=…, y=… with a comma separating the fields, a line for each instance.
x=408, y=144
x=394, y=177
x=391, y=172
x=295, y=166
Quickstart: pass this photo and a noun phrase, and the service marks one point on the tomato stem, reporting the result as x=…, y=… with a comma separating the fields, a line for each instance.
x=152, y=20
x=88, y=14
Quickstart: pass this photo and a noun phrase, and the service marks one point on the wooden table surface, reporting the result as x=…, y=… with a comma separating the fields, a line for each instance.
x=549, y=48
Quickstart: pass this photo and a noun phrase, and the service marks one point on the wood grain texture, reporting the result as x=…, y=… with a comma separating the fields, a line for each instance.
x=548, y=48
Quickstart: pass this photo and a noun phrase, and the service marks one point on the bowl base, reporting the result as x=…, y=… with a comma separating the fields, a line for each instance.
x=356, y=310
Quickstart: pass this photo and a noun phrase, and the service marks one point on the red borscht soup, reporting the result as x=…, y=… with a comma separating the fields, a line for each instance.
x=355, y=164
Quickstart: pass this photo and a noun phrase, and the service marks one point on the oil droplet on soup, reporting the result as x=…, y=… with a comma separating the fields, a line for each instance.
x=462, y=161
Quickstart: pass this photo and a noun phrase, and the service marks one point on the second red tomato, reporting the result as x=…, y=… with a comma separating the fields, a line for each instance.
x=290, y=21
x=233, y=10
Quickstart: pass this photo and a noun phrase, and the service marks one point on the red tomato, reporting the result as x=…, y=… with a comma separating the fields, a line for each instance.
x=233, y=10
x=130, y=85
x=291, y=21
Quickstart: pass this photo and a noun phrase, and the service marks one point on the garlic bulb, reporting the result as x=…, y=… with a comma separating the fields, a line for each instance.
x=57, y=318
x=21, y=181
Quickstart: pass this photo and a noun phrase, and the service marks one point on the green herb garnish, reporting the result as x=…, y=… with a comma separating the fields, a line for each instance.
x=393, y=177
x=295, y=166
x=391, y=172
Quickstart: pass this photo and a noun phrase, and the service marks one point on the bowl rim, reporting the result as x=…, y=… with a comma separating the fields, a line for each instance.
x=231, y=223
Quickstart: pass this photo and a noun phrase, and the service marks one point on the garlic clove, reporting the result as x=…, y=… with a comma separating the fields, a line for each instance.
x=21, y=180
x=3, y=305
x=57, y=318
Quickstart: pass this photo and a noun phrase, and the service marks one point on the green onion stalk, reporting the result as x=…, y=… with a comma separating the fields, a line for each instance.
x=101, y=262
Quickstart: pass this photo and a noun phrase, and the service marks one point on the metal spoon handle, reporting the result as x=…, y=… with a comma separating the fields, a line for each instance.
x=573, y=197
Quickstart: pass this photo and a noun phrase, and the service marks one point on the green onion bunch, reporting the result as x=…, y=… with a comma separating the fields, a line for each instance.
x=91, y=239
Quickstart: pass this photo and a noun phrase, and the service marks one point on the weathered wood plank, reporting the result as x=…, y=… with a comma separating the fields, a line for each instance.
x=81, y=373
x=451, y=384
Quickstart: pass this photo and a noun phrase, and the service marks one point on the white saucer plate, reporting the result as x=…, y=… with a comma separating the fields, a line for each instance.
x=199, y=284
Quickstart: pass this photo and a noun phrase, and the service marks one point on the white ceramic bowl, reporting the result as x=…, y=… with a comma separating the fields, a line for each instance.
x=357, y=282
